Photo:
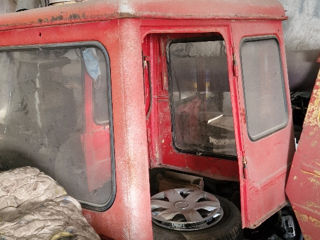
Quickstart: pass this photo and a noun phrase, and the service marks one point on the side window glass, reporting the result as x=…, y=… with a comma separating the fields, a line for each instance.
x=53, y=103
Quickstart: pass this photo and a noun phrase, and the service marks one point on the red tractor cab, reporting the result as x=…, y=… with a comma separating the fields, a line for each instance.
x=101, y=94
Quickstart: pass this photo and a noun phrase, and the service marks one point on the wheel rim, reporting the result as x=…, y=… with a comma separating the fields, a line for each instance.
x=185, y=209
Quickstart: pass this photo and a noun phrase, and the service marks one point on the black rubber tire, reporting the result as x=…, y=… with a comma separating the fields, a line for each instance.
x=229, y=227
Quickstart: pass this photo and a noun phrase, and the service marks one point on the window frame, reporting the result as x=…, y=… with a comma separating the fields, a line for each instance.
x=216, y=36
x=109, y=202
x=277, y=128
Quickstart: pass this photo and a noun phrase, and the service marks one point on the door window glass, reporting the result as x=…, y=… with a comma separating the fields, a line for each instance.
x=265, y=98
x=200, y=97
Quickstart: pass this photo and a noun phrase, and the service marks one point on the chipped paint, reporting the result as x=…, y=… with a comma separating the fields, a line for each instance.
x=314, y=181
x=315, y=173
x=314, y=221
x=304, y=194
x=74, y=16
x=311, y=204
x=313, y=113
x=301, y=217
x=307, y=237
x=308, y=219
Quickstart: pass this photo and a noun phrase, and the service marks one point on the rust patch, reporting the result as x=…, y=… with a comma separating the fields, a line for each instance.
x=74, y=16
x=43, y=20
x=56, y=18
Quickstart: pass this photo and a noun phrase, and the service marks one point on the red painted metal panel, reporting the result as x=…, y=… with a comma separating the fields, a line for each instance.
x=99, y=10
x=129, y=217
x=303, y=187
x=264, y=163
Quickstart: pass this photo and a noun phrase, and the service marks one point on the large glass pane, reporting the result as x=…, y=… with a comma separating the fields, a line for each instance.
x=264, y=92
x=200, y=95
x=48, y=97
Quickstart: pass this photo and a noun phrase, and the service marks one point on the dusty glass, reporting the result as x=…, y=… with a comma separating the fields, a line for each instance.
x=265, y=98
x=200, y=98
x=54, y=115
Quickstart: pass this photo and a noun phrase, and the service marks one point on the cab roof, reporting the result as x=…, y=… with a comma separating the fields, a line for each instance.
x=99, y=10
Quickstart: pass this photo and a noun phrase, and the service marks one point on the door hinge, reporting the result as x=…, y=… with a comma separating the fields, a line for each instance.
x=244, y=167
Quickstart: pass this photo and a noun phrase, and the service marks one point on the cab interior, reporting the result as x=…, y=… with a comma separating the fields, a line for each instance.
x=188, y=109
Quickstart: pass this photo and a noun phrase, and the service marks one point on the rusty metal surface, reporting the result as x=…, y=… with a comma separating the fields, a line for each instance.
x=97, y=10
x=303, y=186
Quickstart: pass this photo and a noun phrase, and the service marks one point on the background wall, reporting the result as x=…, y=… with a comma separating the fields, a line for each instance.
x=302, y=36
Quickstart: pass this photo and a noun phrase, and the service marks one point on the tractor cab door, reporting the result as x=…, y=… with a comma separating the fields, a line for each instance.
x=264, y=116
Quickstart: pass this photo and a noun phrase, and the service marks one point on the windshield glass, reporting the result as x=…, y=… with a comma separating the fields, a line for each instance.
x=54, y=115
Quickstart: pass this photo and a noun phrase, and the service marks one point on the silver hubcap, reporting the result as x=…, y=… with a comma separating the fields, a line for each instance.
x=185, y=209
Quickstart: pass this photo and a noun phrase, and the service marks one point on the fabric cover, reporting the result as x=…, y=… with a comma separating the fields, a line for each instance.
x=34, y=206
